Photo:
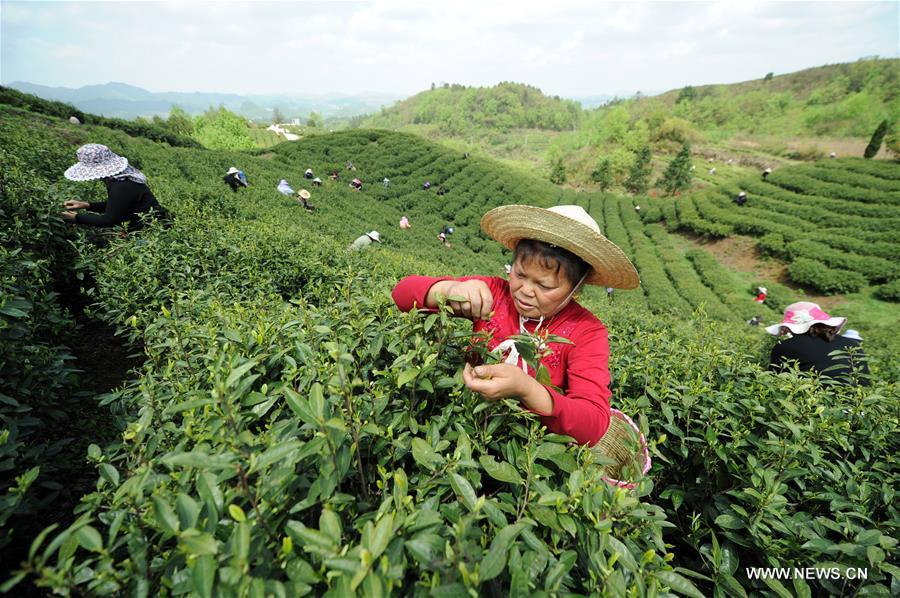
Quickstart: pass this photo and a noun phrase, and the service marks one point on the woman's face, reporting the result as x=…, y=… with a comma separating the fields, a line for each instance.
x=537, y=291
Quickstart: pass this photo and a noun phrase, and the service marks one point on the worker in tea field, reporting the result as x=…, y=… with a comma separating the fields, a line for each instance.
x=404, y=223
x=317, y=182
x=284, y=188
x=303, y=198
x=426, y=186
x=365, y=240
x=766, y=173
x=128, y=196
x=355, y=184
x=556, y=251
x=741, y=198
x=386, y=182
x=813, y=337
x=309, y=174
x=235, y=179
x=761, y=294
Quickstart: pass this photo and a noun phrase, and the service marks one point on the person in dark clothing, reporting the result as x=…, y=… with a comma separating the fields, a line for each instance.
x=741, y=198
x=812, y=344
x=235, y=179
x=128, y=196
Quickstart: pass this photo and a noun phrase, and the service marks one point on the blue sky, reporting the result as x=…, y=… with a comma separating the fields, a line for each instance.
x=565, y=48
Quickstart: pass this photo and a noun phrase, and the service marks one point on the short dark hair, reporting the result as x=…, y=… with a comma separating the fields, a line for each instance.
x=823, y=331
x=552, y=258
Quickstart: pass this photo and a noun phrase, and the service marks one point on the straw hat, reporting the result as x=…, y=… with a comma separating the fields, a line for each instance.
x=374, y=236
x=304, y=194
x=799, y=318
x=95, y=161
x=569, y=227
x=232, y=170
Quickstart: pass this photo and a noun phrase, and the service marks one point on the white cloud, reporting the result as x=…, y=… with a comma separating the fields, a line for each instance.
x=563, y=47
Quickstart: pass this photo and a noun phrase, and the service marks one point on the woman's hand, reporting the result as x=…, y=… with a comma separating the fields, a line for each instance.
x=504, y=380
x=478, y=303
x=74, y=204
x=69, y=215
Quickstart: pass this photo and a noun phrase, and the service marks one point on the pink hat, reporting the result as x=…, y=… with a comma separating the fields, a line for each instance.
x=800, y=316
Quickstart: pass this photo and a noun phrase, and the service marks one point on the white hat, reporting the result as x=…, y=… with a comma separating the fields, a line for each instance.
x=374, y=236
x=852, y=334
x=569, y=227
x=232, y=170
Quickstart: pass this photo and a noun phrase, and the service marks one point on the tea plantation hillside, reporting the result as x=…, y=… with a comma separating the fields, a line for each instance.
x=289, y=433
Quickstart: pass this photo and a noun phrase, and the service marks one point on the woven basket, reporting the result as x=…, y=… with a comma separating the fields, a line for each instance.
x=623, y=444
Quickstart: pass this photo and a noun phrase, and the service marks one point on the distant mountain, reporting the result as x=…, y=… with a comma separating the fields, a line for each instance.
x=127, y=101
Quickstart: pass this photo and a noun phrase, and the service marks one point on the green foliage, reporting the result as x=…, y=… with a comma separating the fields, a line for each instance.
x=291, y=433
x=639, y=174
x=686, y=94
x=463, y=110
x=315, y=120
x=677, y=176
x=156, y=132
x=603, y=174
x=889, y=291
x=813, y=273
x=218, y=128
x=877, y=137
x=558, y=172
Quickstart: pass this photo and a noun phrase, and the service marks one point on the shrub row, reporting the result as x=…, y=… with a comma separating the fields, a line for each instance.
x=874, y=269
x=802, y=183
x=889, y=291
x=817, y=275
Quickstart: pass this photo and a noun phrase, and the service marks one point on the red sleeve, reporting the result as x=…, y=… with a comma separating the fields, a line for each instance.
x=583, y=413
x=410, y=292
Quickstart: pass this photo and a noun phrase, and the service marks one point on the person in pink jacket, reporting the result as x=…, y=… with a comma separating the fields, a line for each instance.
x=404, y=223
x=556, y=250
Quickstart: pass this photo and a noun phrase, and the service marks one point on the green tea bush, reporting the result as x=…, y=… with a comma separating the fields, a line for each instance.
x=828, y=280
x=889, y=291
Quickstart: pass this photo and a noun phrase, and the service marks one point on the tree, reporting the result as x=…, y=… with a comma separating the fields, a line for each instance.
x=687, y=94
x=639, y=174
x=877, y=138
x=179, y=122
x=277, y=116
x=677, y=176
x=602, y=175
x=769, y=76
x=558, y=172
x=314, y=120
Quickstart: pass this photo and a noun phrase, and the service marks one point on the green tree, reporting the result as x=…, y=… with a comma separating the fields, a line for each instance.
x=639, y=174
x=769, y=76
x=558, y=172
x=687, y=94
x=602, y=175
x=677, y=176
x=877, y=138
x=218, y=128
x=179, y=121
x=314, y=120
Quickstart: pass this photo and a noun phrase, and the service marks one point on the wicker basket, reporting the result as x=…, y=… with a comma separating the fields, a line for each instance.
x=623, y=444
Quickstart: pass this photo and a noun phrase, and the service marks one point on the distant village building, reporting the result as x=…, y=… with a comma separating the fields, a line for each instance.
x=295, y=121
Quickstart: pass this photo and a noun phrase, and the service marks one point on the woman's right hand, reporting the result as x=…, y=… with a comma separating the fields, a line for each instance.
x=74, y=204
x=476, y=301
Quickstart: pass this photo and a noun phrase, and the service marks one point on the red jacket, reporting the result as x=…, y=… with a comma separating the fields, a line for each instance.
x=580, y=369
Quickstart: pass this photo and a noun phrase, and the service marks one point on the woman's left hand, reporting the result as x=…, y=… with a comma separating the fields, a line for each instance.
x=69, y=215
x=498, y=381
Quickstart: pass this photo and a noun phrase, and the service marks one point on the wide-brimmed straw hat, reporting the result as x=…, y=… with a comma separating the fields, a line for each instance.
x=569, y=227
x=232, y=170
x=374, y=236
x=799, y=318
x=304, y=194
x=95, y=161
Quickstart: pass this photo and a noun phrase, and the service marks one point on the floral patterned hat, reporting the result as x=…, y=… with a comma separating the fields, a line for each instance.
x=800, y=316
x=95, y=161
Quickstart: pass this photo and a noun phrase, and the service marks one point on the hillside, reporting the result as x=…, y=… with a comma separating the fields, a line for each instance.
x=799, y=115
x=287, y=432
